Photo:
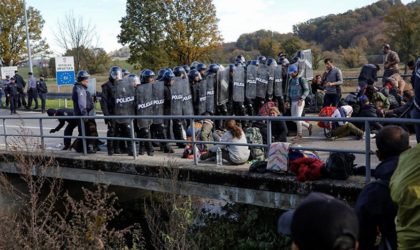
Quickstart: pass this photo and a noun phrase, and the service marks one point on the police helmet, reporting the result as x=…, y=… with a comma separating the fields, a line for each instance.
x=125, y=72
x=193, y=74
x=271, y=62
x=82, y=75
x=160, y=74
x=240, y=59
x=133, y=79
x=232, y=67
x=179, y=71
x=254, y=62
x=201, y=66
x=213, y=68
x=168, y=75
x=262, y=59
x=186, y=68
x=115, y=73
x=146, y=75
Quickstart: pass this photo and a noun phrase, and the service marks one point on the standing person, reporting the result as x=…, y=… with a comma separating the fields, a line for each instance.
x=5, y=85
x=83, y=106
x=415, y=111
x=42, y=89
x=332, y=80
x=21, y=84
x=391, y=60
x=321, y=222
x=297, y=92
x=144, y=106
x=404, y=187
x=108, y=106
x=32, y=91
x=71, y=124
x=12, y=93
x=235, y=154
x=374, y=207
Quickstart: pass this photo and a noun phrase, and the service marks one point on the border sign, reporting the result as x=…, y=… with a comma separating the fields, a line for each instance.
x=64, y=67
x=8, y=71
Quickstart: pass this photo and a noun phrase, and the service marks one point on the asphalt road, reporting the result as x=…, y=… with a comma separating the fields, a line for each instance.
x=32, y=127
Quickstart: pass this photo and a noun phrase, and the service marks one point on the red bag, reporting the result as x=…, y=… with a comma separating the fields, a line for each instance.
x=326, y=112
x=265, y=109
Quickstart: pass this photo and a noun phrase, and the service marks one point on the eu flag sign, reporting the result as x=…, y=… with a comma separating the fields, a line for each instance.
x=65, y=77
x=64, y=67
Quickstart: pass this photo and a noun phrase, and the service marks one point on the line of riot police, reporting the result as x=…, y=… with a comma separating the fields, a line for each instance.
x=239, y=89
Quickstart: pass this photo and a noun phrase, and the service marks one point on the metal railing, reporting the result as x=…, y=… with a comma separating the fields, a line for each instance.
x=267, y=119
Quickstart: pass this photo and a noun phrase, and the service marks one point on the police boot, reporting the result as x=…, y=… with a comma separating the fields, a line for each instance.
x=167, y=148
x=149, y=148
x=91, y=149
x=141, y=148
x=110, y=147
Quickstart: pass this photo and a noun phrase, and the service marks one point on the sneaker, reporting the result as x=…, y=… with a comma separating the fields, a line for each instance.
x=297, y=138
x=371, y=136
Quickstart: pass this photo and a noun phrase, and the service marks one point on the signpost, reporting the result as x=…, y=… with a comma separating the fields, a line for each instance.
x=64, y=68
x=8, y=71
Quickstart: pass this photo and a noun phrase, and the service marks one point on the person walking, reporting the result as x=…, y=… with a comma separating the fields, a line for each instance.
x=32, y=91
x=297, y=92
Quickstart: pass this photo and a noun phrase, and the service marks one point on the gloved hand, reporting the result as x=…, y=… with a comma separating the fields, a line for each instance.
x=52, y=131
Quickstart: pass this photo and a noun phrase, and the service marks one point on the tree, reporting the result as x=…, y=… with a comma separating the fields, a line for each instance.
x=98, y=61
x=292, y=45
x=13, y=48
x=191, y=29
x=73, y=34
x=142, y=29
x=353, y=57
x=404, y=30
x=164, y=32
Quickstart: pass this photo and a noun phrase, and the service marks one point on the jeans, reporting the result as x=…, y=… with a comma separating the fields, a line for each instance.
x=346, y=130
x=297, y=110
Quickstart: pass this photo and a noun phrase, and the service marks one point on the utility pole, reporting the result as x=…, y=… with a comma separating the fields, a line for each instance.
x=27, y=37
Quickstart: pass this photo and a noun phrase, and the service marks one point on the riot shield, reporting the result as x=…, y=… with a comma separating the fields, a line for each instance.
x=304, y=64
x=270, y=86
x=278, y=81
x=222, y=87
x=177, y=96
x=187, y=102
x=262, y=81
x=251, y=82
x=202, y=97
x=158, y=100
x=124, y=100
x=144, y=104
x=238, y=91
x=210, y=81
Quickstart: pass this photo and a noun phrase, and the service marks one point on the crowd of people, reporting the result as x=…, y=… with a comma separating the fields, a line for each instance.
x=13, y=88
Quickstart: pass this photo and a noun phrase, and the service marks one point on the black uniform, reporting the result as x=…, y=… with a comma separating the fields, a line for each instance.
x=13, y=94
x=21, y=84
x=41, y=86
x=171, y=98
x=107, y=106
x=71, y=125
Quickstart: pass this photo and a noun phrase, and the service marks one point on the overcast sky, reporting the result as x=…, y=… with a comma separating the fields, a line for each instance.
x=236, y=16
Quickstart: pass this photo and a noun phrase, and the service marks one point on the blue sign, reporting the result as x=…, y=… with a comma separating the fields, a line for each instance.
x=65, y=77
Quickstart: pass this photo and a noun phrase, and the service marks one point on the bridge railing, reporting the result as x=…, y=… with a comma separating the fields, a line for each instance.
x=267, y=119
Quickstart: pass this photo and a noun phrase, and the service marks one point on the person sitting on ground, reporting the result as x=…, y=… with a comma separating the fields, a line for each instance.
x=405, y=192
x=321, y=222
x=233, y=153
x=278, y=128
x=343, y=129
x=374, y=207
x=367, y=109
x=376, y=97
x=404, y=110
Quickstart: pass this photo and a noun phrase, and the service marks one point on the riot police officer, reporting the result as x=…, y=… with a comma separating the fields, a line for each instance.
x=107, y=106
x=195, y=78
x=158, y=129
x=173, y=101
x=84, y=106
x=144, y=106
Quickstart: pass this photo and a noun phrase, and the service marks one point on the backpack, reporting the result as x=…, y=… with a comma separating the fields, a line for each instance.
x=326, y=112
x=253, y=136
x=340, y=165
